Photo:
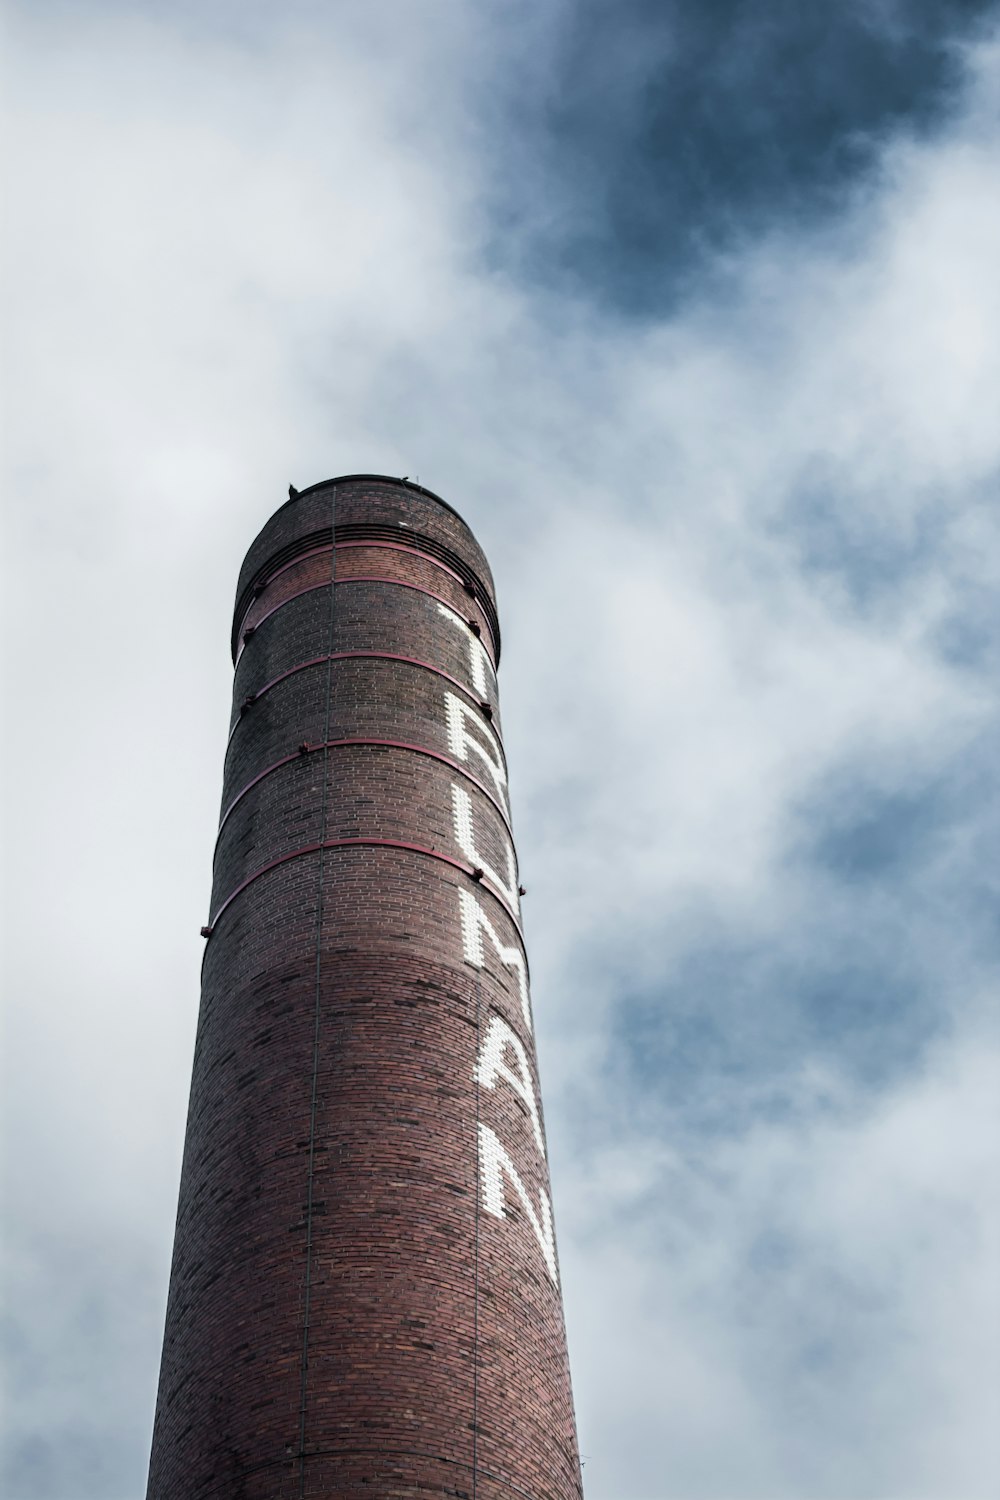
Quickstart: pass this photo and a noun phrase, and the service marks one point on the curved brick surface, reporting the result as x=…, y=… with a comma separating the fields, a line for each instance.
x=367, y=500
x=364, y=1294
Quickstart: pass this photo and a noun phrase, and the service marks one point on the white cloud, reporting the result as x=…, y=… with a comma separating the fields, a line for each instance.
x=817, y=1298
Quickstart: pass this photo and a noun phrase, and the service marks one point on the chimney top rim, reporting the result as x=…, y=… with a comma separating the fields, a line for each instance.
x=393, y=479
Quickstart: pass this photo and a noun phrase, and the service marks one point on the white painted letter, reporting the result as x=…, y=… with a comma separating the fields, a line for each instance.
x=479, y=657
x=474, y=924
x=491, y=1065
x=461, y=807
x=494, y=1165
x=461, y=741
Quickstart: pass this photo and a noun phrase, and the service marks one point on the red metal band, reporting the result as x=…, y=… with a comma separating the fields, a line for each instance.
x=360, y=578
x=386, y=546
x=411, y=661
x=446, y=859
x=445, y=760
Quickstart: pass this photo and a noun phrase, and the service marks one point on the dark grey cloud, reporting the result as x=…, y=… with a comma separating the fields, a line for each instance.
x=651, y=137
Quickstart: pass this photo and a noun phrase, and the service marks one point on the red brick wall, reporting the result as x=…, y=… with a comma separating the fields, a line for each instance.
x=359, y=1302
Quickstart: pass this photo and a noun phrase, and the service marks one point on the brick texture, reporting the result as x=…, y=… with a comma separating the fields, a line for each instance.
x=363, y=1300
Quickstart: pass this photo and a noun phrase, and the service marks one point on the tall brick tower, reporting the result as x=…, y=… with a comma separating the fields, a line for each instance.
x=364, y=1298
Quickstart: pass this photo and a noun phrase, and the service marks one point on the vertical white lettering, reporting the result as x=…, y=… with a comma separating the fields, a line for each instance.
x=491, y=1064
x=474, y=924
x=479, y=658
x=459, y=716
x=461, y=807
x=494, y=1165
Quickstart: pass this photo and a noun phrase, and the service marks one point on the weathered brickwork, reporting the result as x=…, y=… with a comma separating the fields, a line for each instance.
x=364, y=1296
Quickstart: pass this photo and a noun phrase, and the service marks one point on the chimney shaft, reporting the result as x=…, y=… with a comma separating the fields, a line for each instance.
x=364, y=1297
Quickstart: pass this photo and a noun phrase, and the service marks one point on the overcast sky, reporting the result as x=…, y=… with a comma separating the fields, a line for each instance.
x=692, y=309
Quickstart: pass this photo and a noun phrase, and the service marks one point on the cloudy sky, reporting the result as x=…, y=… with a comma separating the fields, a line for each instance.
x=692, y=308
